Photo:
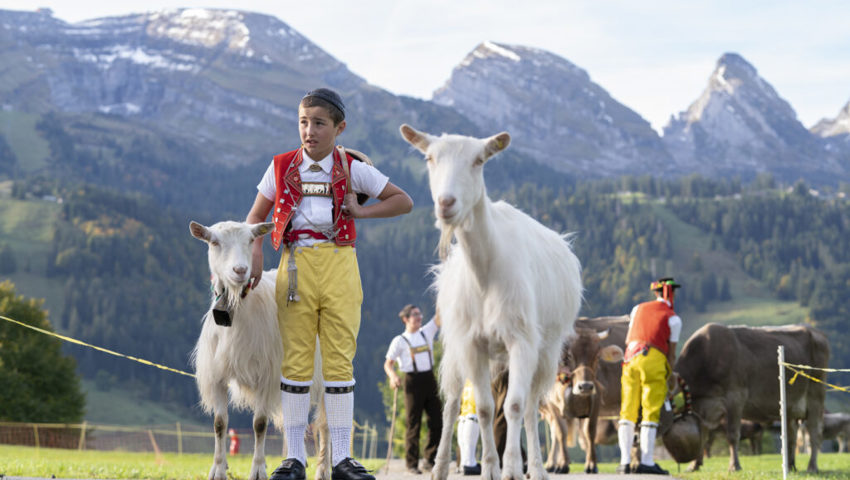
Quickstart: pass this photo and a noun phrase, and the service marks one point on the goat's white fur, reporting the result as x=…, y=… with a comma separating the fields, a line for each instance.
x=247, y=355
x=508, y=292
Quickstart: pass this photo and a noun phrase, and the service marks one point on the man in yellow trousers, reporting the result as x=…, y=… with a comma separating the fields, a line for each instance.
x=654, y=330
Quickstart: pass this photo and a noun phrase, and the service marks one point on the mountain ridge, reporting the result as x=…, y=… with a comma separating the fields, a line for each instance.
x=224, y=83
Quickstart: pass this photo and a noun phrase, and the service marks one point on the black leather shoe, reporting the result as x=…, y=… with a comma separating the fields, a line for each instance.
x=474, y=470
x=622, y=469
x=289, y=469
x=654, y=468
x=350, y=469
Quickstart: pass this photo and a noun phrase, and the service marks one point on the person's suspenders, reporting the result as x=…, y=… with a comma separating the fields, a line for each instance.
x=413, y=354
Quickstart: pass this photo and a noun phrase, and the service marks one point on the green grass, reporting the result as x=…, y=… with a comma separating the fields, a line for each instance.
x=44, y=462
x=47, y=462
x=19, y=131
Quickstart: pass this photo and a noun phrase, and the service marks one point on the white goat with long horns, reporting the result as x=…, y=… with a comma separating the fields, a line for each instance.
x=508, y=292
x=240, y=346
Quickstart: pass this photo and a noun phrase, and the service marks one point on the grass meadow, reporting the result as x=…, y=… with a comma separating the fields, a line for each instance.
x=58, y=463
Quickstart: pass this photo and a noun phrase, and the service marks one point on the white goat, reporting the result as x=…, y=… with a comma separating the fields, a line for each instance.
x=508, y=293
x=247, y=354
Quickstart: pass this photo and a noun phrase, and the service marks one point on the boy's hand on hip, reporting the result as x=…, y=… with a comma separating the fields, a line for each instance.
x=350, y=207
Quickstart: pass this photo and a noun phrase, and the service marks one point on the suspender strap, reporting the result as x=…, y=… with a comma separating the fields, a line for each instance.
x=413, y=355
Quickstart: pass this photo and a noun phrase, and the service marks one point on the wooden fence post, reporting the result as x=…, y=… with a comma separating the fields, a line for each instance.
x=82, y=444
x=179, y=440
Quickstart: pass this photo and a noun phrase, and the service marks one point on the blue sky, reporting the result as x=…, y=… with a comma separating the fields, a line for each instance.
x=653, y=56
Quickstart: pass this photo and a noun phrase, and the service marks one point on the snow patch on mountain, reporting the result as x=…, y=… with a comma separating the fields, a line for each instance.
x=202, y=27
x=105, y=58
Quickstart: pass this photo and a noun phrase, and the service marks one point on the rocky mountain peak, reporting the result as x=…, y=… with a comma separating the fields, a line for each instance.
x=739, y=125
x=840, y=125
x=553, y=110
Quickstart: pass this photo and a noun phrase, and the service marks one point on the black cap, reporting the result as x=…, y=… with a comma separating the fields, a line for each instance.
x=329, y=96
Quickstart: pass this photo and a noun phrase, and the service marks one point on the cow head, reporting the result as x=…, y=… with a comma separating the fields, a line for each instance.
x=583, y=355
x=575, y=391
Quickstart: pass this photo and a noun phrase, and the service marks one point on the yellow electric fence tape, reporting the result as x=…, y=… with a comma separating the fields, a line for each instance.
x=797, y=372
x=72, y=340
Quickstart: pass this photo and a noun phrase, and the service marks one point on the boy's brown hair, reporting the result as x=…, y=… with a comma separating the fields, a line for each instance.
x=405, y=312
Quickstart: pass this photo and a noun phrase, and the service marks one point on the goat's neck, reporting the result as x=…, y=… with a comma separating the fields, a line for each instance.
x=477, y=238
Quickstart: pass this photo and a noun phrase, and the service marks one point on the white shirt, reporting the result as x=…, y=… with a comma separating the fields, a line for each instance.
x=316, y=213
x=400, y=350
x=675, y=322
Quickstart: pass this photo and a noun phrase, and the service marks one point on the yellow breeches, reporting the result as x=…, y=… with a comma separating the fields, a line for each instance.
x=644, y=385
x=467, y=400
x=329, y=306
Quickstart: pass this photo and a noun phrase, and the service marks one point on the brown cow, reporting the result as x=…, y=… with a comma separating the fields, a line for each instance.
x=593, y=388
x=732, y=373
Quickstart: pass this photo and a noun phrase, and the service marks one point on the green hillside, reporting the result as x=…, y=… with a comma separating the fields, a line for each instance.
x=26, y=226
x=121, y=272
x=19, y=130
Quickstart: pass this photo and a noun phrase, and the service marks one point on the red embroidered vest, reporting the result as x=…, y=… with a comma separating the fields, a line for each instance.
x=650, y=325
x=288, y=194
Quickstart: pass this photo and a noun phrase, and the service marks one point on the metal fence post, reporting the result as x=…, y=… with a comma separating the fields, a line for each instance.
x=782, y=415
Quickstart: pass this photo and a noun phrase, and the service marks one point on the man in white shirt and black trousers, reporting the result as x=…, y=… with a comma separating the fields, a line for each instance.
x=413, y=350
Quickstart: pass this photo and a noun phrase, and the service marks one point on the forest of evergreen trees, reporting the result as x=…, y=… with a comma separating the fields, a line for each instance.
x=136, y=282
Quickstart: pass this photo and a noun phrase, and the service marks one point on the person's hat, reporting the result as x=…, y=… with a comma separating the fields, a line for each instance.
x=659, y=284
x=329, y=96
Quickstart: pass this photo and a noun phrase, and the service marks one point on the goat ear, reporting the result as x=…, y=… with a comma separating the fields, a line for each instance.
x=199, y=231
x=261, y=229
x=496, y=144
x=414, y=137
x=611, y=354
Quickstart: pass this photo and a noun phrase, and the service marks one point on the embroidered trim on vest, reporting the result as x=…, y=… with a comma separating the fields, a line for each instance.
x=316, y=189
x=288, y=195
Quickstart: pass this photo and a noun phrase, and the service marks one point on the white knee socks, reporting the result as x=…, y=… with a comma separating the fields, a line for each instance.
x=625, y=438
x=340, y=411
x=647, y=443
x=296, y=409
x=467, y=439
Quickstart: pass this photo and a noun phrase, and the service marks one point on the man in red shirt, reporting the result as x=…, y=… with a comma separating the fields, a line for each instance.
x=654, y=330
x=234, y=442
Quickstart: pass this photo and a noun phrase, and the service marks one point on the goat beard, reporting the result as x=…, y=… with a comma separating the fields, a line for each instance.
x=230, y=296
x=447, y=233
